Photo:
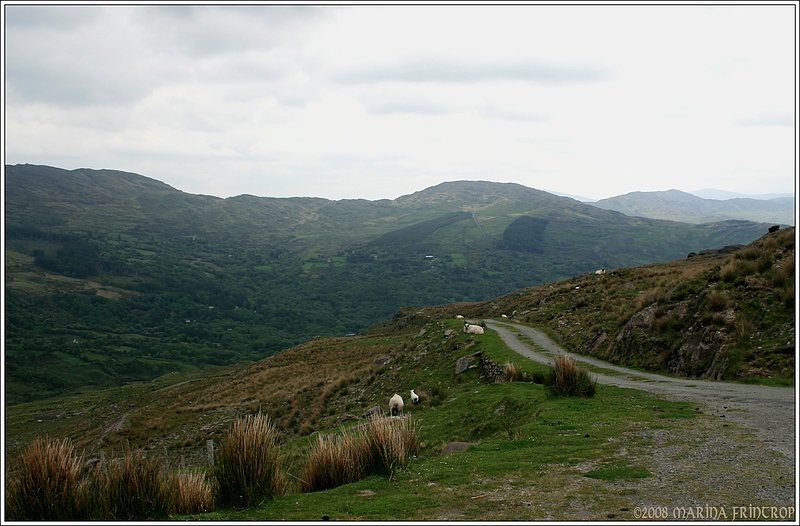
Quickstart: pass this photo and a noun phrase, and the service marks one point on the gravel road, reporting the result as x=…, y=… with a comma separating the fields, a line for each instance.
x=741, y=452
x=768, y=410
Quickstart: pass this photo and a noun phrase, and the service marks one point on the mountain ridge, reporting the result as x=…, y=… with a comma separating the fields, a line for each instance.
x=683, y=206
x=130, y=278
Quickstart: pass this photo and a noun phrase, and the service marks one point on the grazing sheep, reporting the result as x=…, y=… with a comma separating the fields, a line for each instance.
x=600, y=272
x=459, y=317
x=472, y=329
x=396, y=404
x=414, y=397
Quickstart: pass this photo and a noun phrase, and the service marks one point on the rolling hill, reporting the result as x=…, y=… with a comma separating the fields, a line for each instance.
x=114, y=277
x=726, y=314
x=680, y=206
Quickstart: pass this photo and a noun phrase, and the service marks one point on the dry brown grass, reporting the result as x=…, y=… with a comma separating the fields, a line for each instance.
x=569, y=379
x=192, y=492
x=379, y=446
x=130, y=488
x=248, y=464
x=47, y=485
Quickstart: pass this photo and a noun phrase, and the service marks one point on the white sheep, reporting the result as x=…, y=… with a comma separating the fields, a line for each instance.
x=600, y=272
x=396, y=403
x=504, y=316
x=472, y=329
x=414, y=397
x=459, y=317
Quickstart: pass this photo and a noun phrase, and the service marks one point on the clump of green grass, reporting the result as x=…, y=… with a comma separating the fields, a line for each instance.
x=248, y=465
x=379, y=446
x=618, y=472
x=568, y=379
x=47, y=485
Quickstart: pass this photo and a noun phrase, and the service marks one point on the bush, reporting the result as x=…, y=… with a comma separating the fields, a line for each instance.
x=47, y=484
x=248, y=465
x=568, y=379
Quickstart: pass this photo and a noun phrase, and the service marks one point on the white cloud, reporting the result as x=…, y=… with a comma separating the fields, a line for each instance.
x=377, y=101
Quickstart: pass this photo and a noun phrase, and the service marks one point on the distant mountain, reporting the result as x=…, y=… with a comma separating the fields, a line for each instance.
x=675, y=205
x=714, y=193
x=113, y=276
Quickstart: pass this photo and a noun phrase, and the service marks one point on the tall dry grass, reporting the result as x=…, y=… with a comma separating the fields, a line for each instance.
x=47, y=484
x=132, y=487
x=248, y=466
x=379, y=446
x=569, y=379
x=192, y=492
x=390, y=443
x=51, y=483
x=333, y=461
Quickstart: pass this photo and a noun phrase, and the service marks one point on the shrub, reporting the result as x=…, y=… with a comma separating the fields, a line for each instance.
x=192, y=492
x=133, y=487
x=248, y=465
x=568, y=379
x=47, y=484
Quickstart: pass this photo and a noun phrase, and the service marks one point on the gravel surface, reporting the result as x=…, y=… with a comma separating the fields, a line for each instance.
x=738, y=457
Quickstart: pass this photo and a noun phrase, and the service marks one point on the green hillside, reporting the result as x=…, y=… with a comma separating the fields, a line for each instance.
x=489, y=448
x=113, y=277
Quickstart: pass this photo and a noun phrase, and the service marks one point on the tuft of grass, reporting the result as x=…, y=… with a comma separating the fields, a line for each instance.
x=333, y=461
x=512, y=372
x=248, y=464
x=192, y=492
x=379, y=446
x=390, y=444
x=47, y=485
x=568, y=379
x=133, y=487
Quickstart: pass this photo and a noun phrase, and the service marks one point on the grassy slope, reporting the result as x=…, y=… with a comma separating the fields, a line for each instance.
x=518, y=432
x=729, y=315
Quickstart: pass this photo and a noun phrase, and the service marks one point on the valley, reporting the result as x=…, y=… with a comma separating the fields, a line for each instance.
x=127, y=337
x=112, y=277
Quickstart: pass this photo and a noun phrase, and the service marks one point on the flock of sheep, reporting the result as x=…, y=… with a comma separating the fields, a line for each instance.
x=396, y=401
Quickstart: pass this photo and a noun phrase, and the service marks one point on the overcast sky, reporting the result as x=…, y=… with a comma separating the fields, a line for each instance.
x=381, y=101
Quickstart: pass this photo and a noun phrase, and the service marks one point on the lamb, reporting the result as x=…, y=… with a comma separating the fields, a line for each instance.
x=414, y=397
x=472, y=329
x=396, y=404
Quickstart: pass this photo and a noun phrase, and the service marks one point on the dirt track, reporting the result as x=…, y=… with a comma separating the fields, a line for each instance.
x=716, y=463
x=768, y=410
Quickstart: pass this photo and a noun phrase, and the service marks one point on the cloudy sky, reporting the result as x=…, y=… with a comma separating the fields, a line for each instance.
x=381, y=101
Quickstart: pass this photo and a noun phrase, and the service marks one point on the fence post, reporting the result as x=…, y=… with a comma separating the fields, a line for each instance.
x=210, y=452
